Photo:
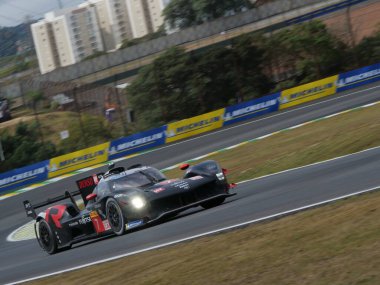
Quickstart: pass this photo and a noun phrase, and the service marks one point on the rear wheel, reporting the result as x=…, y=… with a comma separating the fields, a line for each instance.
x=115, y=217
x=213, y=203
x=46, y=237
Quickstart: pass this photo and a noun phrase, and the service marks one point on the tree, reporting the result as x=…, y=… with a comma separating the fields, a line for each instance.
x=306, y=52
x=94, y=130
x=179, y=85
x=180, y=14
x=185, y=13
x=24, y=148
x=248, y=59
x=368, y=50
x=207, y=10
x=159, y=94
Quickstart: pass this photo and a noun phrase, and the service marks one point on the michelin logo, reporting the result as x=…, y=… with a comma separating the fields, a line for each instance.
x=307, y=92
x=249, y=109
x=135, y=143
x=355, y=78
x=22, y=176
x=79, y=159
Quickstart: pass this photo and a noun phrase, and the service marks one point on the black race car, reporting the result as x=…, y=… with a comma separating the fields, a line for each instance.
x=121, y=200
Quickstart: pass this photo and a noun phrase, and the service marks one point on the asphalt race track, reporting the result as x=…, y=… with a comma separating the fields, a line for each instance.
x=255, y=199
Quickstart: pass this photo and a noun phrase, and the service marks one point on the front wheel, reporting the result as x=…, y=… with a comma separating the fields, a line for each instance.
x=115, y=217
x=46, y=237
x=213, y=203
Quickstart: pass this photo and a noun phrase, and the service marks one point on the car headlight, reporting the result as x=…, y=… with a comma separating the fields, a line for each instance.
x=138, y=202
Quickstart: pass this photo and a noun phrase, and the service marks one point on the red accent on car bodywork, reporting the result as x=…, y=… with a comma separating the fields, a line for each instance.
x=56, y=217
x=184, y=166
x=225, y=171
x=91, y=196
x=97, y=222
x=233, y=185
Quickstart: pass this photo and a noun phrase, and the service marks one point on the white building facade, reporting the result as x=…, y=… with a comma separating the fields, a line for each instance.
x=68, y=36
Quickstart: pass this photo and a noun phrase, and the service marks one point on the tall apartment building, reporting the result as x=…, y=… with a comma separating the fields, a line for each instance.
x=44, y=42
x=67, y=36
x=114, y=21
x=155, y=8
x=77, y=33
x=146, y=15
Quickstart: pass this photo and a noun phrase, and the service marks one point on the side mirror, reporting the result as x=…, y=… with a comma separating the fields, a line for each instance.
x=91, y=196
x=184, y=166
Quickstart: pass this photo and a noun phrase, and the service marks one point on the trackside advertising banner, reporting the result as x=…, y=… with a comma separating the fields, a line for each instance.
x=79, y=159
x=358, y=77
x=194, y=126
x=137, y=142
x=308, y=92
x=24, y=176
x=251, y=109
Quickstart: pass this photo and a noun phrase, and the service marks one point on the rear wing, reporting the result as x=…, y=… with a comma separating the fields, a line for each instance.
x=30, y=208
x=85, y=186
x=88, y=184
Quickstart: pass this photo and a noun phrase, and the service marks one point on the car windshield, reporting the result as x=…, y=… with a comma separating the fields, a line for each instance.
x=145, y=178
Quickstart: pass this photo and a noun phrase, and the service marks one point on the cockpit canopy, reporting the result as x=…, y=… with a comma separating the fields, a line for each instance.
x=135, y=178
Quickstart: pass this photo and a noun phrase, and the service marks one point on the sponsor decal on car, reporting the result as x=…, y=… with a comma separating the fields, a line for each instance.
x=106, y=225
x=158, y=190
x=73, y=224
x=94, y=214
x=181, y=184
x=167, y=181
x=134, y=224
x=120, y=196
x=86, y=183
x=196, y=177
x=84, y=220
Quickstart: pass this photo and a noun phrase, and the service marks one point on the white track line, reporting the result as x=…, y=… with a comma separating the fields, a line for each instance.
x=312, y=164
x=274, y=216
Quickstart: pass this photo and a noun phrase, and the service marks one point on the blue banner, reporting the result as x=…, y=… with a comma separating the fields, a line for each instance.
x=251, y=109
x=137, y=142
x=24, y=176
x=358, y=77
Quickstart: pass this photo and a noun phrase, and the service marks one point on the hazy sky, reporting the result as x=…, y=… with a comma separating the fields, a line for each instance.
x=13, y=12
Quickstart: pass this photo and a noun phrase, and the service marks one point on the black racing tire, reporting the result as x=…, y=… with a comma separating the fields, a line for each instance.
x=213, y=203
x=115, y=217
x=46, y=238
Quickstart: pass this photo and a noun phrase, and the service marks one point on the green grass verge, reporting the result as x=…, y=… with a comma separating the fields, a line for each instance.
x=334, y=244
x=317, y=141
